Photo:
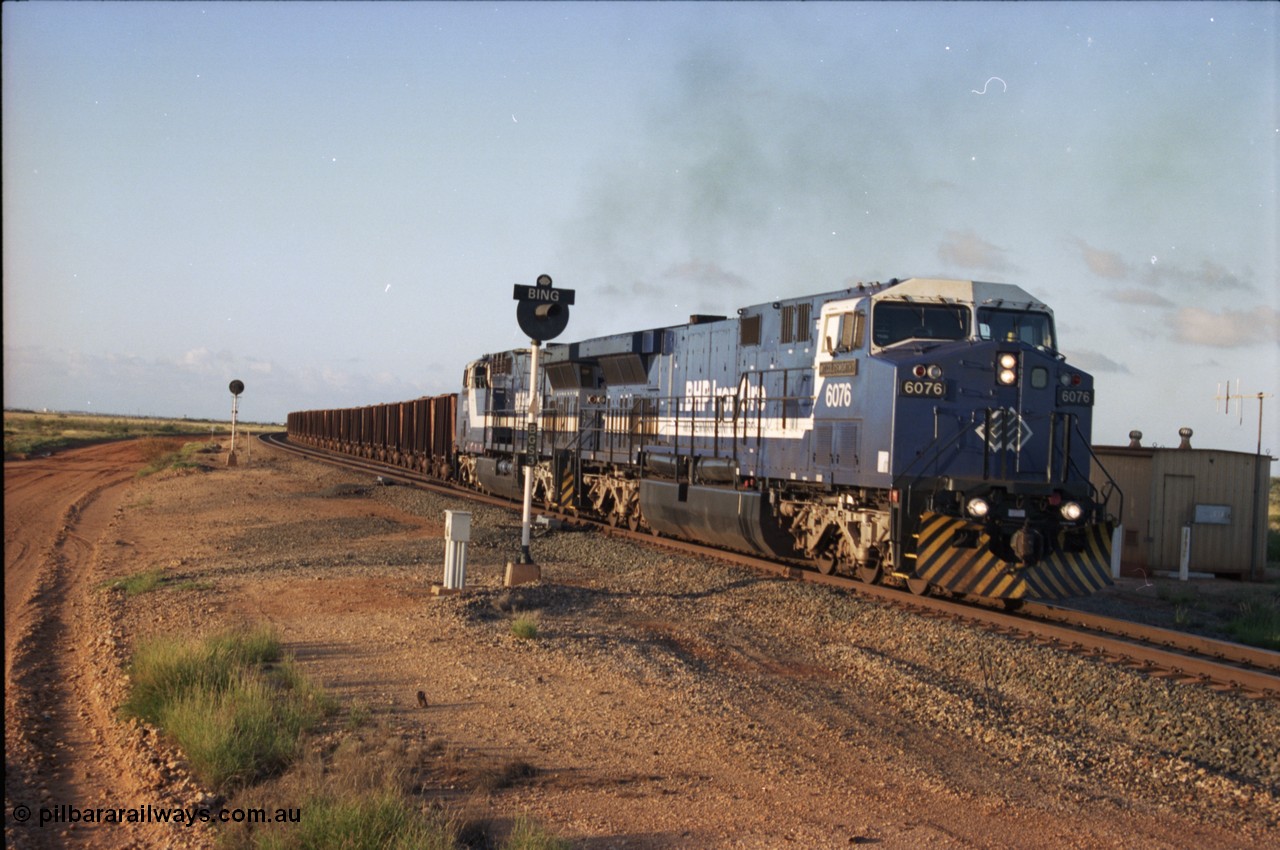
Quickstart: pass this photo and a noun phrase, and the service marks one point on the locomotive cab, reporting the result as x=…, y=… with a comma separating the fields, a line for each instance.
x=991, y=454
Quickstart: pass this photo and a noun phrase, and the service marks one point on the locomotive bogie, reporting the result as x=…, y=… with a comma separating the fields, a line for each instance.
x=841, y=534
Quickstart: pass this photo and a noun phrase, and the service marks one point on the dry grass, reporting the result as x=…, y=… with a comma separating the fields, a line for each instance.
x=233, y=704
x=28, y=434
x=376, y=788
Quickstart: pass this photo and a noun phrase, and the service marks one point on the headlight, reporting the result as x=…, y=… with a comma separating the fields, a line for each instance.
x=977, y=507
x=1007, y=368
x=1071, y=511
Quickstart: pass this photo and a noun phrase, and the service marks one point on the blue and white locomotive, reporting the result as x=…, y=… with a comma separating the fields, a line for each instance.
x=922, y=431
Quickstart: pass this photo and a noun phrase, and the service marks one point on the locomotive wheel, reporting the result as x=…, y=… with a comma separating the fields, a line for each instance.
x=870, y=573
x=918, y=586
x=633, y=523
x=827, y=564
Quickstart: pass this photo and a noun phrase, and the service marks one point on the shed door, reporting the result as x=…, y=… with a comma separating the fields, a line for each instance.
x=1178, y=508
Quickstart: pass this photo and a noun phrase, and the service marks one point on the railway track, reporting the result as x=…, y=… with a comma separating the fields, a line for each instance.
x=1158, y=652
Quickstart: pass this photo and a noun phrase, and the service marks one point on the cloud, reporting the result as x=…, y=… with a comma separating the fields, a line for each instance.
x=639, y=288
x=1094, y=362
x=730, y=160
x=1106, y=264
x=193, y=383
x=1155, y=272
x=705, y=275
x=1208, y=274
x=1227, y=329
x=1138, y=297
x=966, y=249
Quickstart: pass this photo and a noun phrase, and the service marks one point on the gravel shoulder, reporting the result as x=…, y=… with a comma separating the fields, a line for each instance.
x=666, y=701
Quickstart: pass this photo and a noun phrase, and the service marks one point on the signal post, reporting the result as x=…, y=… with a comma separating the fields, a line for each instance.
x=236, y=387
x=543, y=314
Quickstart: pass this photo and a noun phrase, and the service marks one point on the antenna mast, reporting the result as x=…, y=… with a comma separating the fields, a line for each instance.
x=1225, y=395
x=1256, y=563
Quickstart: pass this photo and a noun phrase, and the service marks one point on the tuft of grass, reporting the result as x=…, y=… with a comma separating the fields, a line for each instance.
x=1258, y=623
x=358, y=715
x=232, y=703
x=149, y=580
x=374, y=790
x=503, y=775
x=1179, y=595
x=377, y=820
x=162, y=458
x=138, y=583
x=528, y=835
x=524, y=627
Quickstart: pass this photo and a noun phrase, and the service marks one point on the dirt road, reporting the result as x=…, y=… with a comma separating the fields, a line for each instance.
x=63, y=744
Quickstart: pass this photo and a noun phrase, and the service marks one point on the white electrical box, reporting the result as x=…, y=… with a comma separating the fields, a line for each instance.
x=457, y=526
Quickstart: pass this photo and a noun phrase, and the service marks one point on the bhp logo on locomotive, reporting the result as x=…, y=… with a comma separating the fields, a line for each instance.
x=1009, y=431
x=698, y=395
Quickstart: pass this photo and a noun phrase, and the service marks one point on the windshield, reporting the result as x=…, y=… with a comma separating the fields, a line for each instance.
x=895, y=321
x=1016, y=326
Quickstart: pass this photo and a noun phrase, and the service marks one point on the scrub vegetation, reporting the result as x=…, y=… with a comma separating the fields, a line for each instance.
x=524, y=627
x=149, y=580
x=161, y=455
x=1258, y=622
x=30, y=434
x=245, y=717
x=233, y=703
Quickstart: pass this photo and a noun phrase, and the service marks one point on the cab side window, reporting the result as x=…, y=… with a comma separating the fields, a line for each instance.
x=477, y=376
x=844, y=331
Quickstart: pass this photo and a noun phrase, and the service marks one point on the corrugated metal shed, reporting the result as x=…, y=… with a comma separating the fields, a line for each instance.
x=1221, y=495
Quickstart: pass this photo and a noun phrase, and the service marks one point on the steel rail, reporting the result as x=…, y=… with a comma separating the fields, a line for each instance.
x=384, y=470
x=1249, y=657
x=1158, y=652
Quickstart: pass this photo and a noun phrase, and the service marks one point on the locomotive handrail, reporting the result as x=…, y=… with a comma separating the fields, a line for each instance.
x=732, y=419
x=1114, y=486
x=960, y=432
x=896, y=532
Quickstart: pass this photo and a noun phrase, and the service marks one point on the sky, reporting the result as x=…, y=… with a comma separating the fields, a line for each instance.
x=331, y=201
